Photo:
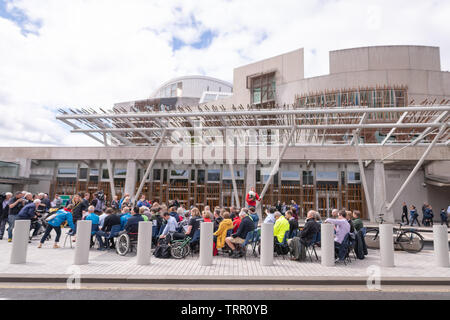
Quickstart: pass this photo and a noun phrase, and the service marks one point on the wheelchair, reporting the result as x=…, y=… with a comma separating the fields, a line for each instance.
x=180, y=249
x=125, y=243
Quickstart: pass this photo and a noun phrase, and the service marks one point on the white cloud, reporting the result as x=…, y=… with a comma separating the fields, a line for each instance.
x=98, y=52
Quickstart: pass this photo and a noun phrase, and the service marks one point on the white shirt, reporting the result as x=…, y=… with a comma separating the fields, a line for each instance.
x=102, y=219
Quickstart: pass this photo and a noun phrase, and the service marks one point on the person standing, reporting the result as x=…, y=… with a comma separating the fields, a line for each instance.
x=252, y=197
x=444, y=217
x=4, y=210
x=405, y=213
x=55, y=223
x=15, y=205
x=413, y=215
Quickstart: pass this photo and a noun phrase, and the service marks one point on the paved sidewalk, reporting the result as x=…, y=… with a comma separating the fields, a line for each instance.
x=57, y=263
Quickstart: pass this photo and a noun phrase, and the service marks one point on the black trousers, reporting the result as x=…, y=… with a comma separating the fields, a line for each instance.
x=405, y=216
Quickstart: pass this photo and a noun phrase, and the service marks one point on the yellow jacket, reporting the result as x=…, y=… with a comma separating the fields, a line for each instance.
x=221, y=233
x=280, y=228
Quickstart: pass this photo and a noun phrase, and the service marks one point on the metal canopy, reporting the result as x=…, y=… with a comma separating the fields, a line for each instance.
x=326, y=126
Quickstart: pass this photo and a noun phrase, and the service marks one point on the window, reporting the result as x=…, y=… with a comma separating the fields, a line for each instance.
x=354, y=176
x=214, y=175
x=156, y=174
x=105, y=174
x=262, y=88
x=94, y=172
x=192, y=175
x=120, y=172
x=327, y=175
x=201, y=177
x=290, y=175
x=83, y=174
x=179, y=174
x=68, y=171
x=238, y=174
x=308, y=178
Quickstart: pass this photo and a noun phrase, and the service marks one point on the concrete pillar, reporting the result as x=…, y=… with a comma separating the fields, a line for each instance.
x=21, y=235
x=24, y=171
x=387, y=245
x=206, y=243
x=144, y=244
x=440, y=243
x=379, y=196
x=130, y=179
x=82, y=245
x=327, y=244
x=266, y=258
x=249, y=183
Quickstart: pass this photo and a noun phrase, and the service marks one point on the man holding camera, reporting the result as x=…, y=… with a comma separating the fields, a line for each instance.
x=16, y=204
x=4, y=210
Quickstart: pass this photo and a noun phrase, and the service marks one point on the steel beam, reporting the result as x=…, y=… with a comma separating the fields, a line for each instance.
x=416, y=168
x=150, y=165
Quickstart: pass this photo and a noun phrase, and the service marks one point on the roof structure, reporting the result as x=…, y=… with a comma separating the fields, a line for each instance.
x=310, y=126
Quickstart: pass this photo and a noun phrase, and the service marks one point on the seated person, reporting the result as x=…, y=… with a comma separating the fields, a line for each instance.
x=348, y=216
x=193, y=226
x=280, y=228
x=311, y=228
x=357, y=222
x=245, y=227
x=293, y=223
x=132, y=225
x=342, y=228
x=270, y=218
x=253, y=215
x=110, y=221
x=221, y=232
x=126, y=214
x=171, y=225
x=217, y=219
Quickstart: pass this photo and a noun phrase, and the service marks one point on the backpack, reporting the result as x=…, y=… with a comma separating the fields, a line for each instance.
x=162, y=250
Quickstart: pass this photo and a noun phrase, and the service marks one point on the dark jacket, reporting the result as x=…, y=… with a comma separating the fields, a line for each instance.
x=360, y=245
x=28, y=212
x=4, y=211
x=245, y=227
x=110, y=221
x=311, y=228
x=132, y=224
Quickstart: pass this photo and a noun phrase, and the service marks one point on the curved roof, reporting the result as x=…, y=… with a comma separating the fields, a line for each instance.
x=191, y=77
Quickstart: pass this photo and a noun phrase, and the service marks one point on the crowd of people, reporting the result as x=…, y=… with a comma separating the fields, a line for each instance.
x=174, y=220
x=427, y=215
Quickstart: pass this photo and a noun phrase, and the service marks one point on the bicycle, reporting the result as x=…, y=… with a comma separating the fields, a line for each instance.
x=180, y=248
x=409, y=240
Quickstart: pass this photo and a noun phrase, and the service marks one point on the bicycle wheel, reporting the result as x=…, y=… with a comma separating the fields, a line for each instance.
x=411, y=241
x=372, y=238
x=177, y=251
x=123, y=244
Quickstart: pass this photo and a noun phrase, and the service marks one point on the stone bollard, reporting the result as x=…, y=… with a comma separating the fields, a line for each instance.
x=327, y=244
x=83, y=243
x=267, y=244
x=144, y=244
x=206, y=243
x=21, y=235
x=440, y=243
x=387, y=245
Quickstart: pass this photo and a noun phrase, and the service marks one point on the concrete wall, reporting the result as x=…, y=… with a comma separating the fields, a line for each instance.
x=416, y=192
x=416, y=67
x=288, y=68
x=385, y=58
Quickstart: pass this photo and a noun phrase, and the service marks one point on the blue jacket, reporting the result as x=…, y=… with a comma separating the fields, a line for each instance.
x=123, y=220
x=93, y=217
x=28, y=212
x=61, y=217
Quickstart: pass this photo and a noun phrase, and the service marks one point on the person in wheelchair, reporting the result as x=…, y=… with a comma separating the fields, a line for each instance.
x=171, y=225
